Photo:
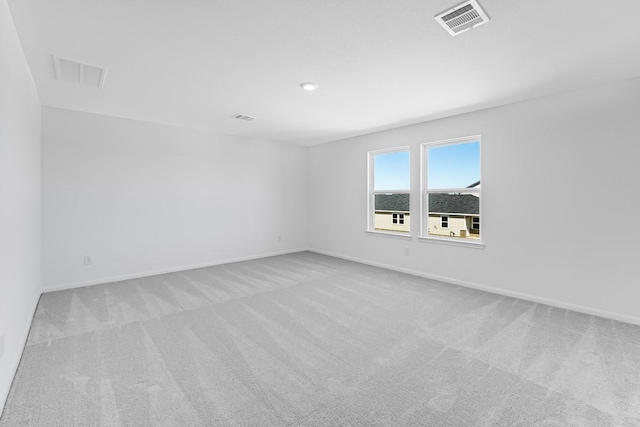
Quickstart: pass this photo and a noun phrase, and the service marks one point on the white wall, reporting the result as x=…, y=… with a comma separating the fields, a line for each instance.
x=19, y=199
x=142, y=198
x=574, y=157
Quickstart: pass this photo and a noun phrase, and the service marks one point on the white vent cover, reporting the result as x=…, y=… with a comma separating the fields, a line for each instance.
x=243, y=117
x=463, y=17
x=72, y=71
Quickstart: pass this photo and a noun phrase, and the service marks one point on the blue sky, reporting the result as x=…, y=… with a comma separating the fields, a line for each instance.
x=391, y=171
x=450, y=166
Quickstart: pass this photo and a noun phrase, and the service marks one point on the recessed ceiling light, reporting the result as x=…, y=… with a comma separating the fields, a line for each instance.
x=309, y=86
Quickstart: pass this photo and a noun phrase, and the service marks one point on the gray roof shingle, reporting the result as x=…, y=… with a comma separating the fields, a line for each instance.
x=454, y=203
x=466, y=204
x=392, y=202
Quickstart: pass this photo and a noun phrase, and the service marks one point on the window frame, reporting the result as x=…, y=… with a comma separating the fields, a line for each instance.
x=398, y=218
x=371, y=193
x=424, y=191
x=474, y=223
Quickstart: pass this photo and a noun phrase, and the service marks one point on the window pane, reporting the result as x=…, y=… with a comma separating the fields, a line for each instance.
x=452, y=215
x=391, y=171
x=389, y=208
x=454, y=166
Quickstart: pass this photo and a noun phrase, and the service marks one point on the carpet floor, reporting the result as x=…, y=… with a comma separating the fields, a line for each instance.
x=309, y=340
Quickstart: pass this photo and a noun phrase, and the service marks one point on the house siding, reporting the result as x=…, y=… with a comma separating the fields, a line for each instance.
x=457, y=223
x=383, y=221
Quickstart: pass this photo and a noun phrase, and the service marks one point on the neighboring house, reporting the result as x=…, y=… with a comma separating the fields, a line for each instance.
x=392, y=212
x=454, y=215
x=450, y=215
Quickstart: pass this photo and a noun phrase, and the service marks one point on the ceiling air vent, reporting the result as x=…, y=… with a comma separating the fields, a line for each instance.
x=72, y=71
x=243, y=117
x=462, y=17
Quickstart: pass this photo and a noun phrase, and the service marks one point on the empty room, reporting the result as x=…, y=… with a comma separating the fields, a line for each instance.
x=319, y=213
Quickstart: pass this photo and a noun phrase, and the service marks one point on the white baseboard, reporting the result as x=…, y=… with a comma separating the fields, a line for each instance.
x=102, y=280
x=533, y=298
x=6, y=388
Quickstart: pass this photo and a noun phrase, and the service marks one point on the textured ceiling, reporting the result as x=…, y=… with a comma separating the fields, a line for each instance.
x=379, y=63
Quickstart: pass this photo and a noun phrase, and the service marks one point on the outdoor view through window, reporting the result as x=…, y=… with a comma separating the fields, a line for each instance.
x=452, y=189
x=390, y=191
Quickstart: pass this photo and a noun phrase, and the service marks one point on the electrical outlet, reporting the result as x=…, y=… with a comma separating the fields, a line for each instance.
x=406, y=251
x=88, y=260
x=1, y=345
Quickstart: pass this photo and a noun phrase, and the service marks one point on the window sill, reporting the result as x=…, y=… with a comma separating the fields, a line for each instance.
x=402, y=236
x=465, y=243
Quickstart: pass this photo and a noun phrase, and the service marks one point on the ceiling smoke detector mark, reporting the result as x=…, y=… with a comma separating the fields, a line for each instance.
x=462, y=17
x=243, y=117
x=69, y=70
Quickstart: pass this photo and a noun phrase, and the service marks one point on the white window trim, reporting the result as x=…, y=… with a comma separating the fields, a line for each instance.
x=391, y=234
x=371, y=193
x=423, y=236
x=473, y=220
x=396, y=218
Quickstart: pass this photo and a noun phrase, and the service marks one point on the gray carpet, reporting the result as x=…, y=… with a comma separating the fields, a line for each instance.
x=309, y=340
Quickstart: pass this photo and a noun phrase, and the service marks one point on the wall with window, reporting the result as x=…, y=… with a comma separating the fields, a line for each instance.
x=573, y=154
x=142, y=198
x=19, y=200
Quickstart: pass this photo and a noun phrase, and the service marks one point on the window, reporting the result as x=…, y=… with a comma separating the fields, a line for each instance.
x=389, y=183
x=451, y=190
x=398, y=218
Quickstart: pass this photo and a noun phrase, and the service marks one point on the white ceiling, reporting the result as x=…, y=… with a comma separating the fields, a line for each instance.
x=379, y=63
